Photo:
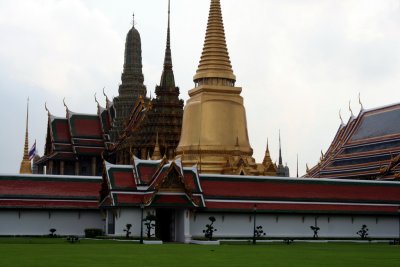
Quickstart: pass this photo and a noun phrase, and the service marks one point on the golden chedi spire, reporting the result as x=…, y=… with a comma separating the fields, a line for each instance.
x=214, y=128
x=215, y=62
x=26, y=163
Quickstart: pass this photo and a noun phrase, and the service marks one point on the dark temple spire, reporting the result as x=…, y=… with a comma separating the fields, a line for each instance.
x=168, y=58
x=167, y=77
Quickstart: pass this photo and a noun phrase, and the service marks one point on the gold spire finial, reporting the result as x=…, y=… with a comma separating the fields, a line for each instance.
x=26, y=163
x=215, y=61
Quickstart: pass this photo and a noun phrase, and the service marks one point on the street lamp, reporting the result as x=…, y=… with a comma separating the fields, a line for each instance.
x=254, y=223
x=141, y=223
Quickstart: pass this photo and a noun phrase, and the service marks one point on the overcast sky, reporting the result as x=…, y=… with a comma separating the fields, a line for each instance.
x=299, y=62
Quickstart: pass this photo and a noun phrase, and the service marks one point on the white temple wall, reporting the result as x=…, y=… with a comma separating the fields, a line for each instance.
x=124, y=216
x=334, y=226
x=39, y=222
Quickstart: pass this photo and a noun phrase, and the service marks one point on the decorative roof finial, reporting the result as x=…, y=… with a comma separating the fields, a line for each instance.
x=45, y=107
x=307, y=168
x=95, y=99
x=267, y=146
x=351, y=111
x=340, y=116
x=107, y=100
x=133, y=20
x=65, y=105
x=359, y=101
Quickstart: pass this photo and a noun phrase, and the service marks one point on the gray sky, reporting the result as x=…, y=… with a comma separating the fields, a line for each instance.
x=298, y=61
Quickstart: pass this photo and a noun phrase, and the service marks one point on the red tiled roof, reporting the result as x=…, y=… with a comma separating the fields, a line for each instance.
x=298, y=189
x=73, y=190
x=60, y=130
x=85, y=126
x=120, y=183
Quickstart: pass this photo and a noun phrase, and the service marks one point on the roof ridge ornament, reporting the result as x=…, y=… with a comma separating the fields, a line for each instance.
x=45, y=107
x=65, y=105
x=359, y=101
x=95, y=99
x=351, y=111
x=340, y=116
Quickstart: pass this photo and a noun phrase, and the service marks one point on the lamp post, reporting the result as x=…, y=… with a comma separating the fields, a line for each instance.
x=141, y=223
x=254, y=223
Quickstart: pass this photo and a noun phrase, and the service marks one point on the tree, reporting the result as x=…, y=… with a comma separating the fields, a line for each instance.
x=315, y=230
x=127, y=229
x=52, y=232
x=363, y=232
x=149, y=224
x=208, y=232
x=259, y=231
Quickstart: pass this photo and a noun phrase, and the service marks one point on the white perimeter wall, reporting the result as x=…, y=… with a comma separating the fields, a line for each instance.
x=124, y=216
x=337, y=226
x=38, y=222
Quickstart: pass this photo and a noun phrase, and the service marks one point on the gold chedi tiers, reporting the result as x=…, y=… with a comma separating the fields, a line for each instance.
x=214, y=130
x=26, y=163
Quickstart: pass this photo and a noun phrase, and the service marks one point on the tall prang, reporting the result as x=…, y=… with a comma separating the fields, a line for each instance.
x=214, y=130
x=132, y=79
x=154, y=128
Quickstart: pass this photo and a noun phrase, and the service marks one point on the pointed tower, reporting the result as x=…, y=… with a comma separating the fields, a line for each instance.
x=282, y=171
x=214, y=117
x=268, y=165
x=26, y=163
x=132, y=79
x=162, y=120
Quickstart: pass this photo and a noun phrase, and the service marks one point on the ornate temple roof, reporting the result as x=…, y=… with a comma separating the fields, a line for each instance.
x=215, y=62
x=49, y=191
x=367, y=147
x=145, y=181
x=77, y=134
x=151, y=182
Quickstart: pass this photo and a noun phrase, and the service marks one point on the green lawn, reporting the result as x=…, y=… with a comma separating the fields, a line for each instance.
x=32, y=252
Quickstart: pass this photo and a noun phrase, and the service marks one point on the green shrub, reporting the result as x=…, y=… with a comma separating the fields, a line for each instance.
x=93, y=232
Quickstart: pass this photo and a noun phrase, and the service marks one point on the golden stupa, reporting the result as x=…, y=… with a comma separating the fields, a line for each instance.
x=214, y=131
x=26, y=163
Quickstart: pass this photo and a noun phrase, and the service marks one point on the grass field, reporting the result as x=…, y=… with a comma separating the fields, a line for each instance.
x=33, y=252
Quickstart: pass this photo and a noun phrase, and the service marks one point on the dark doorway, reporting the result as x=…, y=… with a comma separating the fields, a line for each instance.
x=165, y=225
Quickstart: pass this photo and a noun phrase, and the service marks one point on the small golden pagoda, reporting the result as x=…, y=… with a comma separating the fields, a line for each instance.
x=214, y=131
x=26, y=163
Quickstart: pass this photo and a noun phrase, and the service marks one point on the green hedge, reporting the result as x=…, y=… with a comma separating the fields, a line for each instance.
x=93, y=232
